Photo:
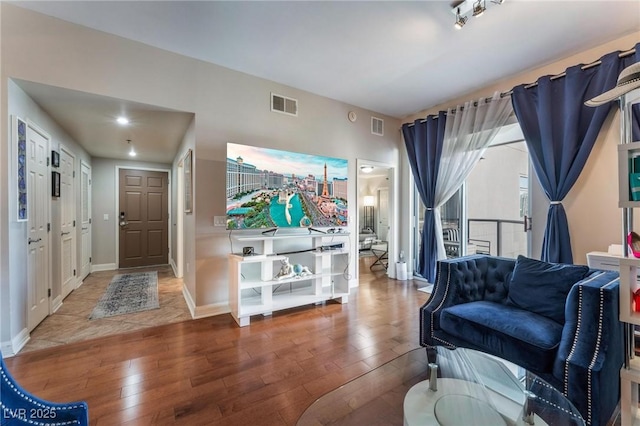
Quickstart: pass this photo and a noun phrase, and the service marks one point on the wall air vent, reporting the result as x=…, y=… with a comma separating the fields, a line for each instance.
x=284, y=105
x=377, y=126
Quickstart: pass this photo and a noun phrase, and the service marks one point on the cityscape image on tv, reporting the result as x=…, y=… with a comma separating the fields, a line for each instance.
x=269, y=188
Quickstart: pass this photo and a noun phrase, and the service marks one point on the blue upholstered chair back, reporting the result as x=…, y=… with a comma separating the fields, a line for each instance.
x=19, y=407
x=481, y=278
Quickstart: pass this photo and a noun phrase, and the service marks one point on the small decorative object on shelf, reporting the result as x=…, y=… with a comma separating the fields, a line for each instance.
x=633, y=240
x=636, y=300
x=286, y=270
x=301, y=270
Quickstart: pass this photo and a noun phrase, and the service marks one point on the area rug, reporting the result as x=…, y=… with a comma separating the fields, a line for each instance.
x=128, y=293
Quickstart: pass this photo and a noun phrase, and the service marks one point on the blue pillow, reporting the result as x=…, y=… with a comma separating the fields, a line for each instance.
x=542, y=287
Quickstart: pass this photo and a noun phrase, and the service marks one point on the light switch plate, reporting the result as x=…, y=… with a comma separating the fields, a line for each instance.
x=219, y=221
x=106, y=216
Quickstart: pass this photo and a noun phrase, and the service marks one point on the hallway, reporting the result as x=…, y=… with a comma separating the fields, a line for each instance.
x=71, y=322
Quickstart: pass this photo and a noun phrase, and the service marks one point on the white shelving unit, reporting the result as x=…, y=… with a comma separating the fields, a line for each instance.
x=254, y=290
x=628, y=149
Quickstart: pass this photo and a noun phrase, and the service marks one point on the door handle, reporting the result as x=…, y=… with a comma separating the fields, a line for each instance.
x=84, y=228
x=65, y=233
x=527, y=223
x=34, y=241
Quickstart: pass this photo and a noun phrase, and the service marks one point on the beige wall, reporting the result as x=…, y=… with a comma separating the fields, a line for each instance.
x=229, y=107
x=591, y=205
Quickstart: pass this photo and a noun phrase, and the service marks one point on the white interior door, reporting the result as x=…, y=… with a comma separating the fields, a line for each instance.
x=67, y=221
x=85, y=201
x=383, y=214
x=38, y=243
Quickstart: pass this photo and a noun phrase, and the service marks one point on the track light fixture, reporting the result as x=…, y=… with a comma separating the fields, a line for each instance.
x=478, y=8
x=460, y=20
x=465, y=8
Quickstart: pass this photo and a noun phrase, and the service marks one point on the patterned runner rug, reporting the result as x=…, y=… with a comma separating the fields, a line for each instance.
x=128, y=293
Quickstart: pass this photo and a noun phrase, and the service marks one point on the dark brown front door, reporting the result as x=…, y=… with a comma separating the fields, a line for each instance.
x=143, y=218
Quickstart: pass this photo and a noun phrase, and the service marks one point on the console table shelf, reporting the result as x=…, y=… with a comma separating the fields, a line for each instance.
x=629, y=267
x=254, y=288
x=627, y=152
x=628, y=161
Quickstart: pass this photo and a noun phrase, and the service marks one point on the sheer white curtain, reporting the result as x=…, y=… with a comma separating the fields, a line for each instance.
x=469, y=130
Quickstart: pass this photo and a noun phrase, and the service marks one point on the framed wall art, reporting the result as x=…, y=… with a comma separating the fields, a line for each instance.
x=55, y=159
x=55, y=184
x=188, y=182
x=20, y=161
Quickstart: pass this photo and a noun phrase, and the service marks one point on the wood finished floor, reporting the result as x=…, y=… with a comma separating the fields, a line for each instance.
x=212, y=372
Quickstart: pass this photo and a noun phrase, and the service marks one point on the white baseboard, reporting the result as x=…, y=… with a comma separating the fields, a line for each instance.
x=211, y=310
x=56, y=303
x=187, y=298
x=7, y=349
x=175, y=268
x=203, y=311
x=13, y=347
x=104, y=267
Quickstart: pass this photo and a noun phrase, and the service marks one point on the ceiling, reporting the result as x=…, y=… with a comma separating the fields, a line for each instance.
x=391, y=57
x=154, y=132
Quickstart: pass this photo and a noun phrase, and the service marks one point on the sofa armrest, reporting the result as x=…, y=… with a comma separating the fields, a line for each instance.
x=591, y=351
x=463, y=280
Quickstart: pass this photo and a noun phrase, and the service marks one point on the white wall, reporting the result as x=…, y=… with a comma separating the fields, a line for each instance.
x=595, y=191
x=229, y=107
x=21, y=105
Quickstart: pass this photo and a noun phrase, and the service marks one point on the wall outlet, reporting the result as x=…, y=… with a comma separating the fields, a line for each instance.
x=106, y=216
x=219, y=221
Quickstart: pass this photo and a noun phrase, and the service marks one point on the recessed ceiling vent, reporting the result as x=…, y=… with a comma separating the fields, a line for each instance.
x=377, y=126
x=284, y=105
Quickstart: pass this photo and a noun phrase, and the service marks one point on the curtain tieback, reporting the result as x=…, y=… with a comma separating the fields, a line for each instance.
x=429, y=208
x=556, y=202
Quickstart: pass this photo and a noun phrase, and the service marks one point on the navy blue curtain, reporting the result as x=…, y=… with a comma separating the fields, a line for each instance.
x=560, y=132
x=423, y=140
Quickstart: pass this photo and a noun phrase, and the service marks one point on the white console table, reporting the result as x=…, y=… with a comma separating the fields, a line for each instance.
x=254, y=288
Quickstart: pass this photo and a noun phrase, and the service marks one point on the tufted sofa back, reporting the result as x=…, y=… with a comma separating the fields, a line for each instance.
x=481, y=277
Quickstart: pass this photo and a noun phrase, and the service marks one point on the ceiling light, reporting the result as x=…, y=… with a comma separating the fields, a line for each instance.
x=479, y=8
x=366, y=169
x=132, y=152
x=463, y=9
x=460, y=20
x=122, y=120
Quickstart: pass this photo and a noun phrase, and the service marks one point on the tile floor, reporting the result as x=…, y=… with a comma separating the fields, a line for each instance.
x=71, y=322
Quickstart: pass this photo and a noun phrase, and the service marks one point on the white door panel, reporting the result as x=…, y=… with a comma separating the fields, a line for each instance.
x=38, y=243
x=85, y=201
x=67, y=225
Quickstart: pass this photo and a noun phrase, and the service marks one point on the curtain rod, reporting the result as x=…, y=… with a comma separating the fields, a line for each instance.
x=563, y=74
x=553, y=77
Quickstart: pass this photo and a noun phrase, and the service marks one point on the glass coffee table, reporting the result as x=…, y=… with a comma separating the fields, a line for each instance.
x=464, y=387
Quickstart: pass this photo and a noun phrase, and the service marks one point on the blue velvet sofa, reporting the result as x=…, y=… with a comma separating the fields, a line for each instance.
x=558, y=321
x=19, y=407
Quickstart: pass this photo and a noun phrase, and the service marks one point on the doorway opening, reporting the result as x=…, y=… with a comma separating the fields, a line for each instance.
x=377, y=237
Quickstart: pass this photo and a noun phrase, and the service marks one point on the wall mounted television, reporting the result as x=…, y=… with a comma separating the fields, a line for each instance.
x=272, y=189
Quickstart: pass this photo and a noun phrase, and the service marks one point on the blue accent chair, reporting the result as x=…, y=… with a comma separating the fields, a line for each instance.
x=581, y=355
x=21, y=408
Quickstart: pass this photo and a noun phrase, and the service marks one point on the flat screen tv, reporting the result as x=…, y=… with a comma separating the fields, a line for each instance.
x=272, y=189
